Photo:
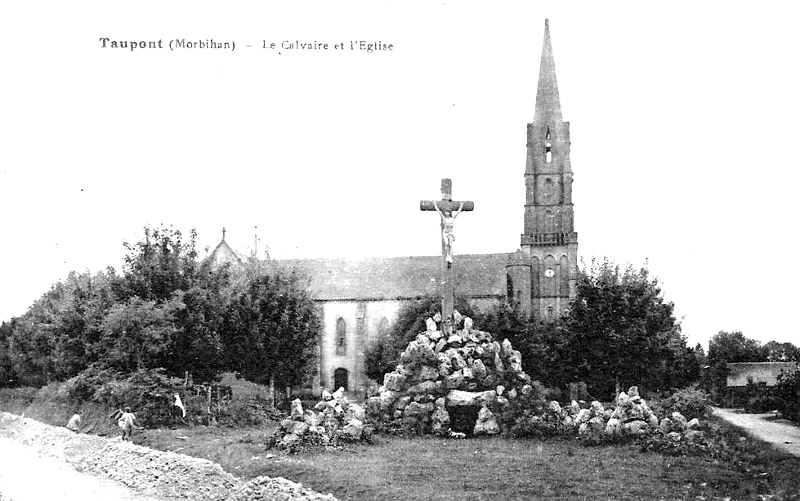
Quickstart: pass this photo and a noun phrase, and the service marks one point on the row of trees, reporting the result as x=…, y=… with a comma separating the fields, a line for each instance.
x=165, y=310
x=618, y=330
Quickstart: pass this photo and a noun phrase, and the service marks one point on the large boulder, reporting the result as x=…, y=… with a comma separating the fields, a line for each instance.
x=457, y=398
x=486, y=423
x=440, y=420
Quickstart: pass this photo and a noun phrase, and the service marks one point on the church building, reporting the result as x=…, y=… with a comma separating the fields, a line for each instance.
x=360, y=298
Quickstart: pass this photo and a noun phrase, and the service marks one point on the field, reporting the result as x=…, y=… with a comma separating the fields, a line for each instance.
x=509, y=469
x=736, y=467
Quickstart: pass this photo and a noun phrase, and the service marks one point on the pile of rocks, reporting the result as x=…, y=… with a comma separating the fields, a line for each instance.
x=465, y=382
x=276, y=489
x=336, y=419
x=632, y=417
x=149, y=472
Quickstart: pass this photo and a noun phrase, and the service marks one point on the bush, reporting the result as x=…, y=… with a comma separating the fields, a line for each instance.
x=83, y=386
x=16, y=400
x=691, y=402
x=245, y=412
x=763, y=403
x=788, y=392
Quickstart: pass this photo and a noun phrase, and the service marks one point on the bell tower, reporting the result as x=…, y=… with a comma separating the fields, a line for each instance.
x=549, y=239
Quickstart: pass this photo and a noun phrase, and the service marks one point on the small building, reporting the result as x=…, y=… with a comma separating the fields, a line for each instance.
x=760, y=373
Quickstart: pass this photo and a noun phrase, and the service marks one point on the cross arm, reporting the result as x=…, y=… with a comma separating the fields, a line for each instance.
x=446, y=205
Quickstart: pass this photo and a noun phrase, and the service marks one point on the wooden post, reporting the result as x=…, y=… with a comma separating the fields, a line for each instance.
x=447, y=210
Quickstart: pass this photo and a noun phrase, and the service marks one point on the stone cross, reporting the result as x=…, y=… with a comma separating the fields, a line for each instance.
x=447, y=209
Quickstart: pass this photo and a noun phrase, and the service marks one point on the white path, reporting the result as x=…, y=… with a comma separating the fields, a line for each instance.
x=782, y=434
x=27, y=476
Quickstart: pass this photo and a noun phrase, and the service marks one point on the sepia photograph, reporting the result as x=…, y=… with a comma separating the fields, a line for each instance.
x=377, y=250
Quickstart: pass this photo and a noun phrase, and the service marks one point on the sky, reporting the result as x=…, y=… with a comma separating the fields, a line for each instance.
x=683, y=126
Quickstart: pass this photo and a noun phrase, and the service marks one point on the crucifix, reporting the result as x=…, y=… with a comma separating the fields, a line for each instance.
x=448, y=210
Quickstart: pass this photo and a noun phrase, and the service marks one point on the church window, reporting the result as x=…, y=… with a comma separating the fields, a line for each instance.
x=341, y=337
x=548, y=152
x=535, y=282
x=564, y=275
x=549, y=313
x=549, y=191
x=340, y=379
x=549, y=223
x=549, y=278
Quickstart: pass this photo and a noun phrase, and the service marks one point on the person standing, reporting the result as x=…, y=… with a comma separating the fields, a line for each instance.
x=127, y=421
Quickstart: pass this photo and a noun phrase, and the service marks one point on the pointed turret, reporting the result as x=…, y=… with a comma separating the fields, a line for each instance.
x=549, y=238
x=548, y=104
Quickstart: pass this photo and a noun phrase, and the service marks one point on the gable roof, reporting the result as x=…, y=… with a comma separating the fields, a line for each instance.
x=223, y=254
x=376, y=278
x=758, y=372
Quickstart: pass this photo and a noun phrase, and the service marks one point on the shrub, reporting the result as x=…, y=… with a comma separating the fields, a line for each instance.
x=16, y=400
x=83, y=386
x=763, y=403
x=788, y=392
x=691, y=402
x=245, y=412
x=149, y=393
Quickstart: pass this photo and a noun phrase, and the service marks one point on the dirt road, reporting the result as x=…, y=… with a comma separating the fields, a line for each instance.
x=27, y=476
x=782, y=434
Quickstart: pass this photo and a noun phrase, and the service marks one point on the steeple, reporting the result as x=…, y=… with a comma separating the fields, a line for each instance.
x=549, y=238
x=548, y=104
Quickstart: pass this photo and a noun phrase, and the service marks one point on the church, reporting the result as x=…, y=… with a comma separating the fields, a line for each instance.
x=360, y=298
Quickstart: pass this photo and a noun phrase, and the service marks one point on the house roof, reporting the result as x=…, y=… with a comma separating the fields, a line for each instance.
x=758, y=372
x=476, y=275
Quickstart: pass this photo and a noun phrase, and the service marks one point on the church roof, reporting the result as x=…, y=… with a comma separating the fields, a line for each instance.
x=223, y=254
x=548, y=104
x=477, y=275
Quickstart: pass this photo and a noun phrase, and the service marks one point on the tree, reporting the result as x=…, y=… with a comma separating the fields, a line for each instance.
x=540, y=343
x=730, y=347
x=621, y=330
x=270, y=329
x=781, y=352
x=7, y=373
x=138, y=334
x=162, y=268
x=384, y=355
x=59, y=334
x=159, y=264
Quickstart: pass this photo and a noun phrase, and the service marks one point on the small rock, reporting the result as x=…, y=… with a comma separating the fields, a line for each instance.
x=297, y=409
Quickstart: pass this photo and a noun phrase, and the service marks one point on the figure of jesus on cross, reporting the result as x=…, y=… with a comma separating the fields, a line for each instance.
x=447, y=210
x=448, y=220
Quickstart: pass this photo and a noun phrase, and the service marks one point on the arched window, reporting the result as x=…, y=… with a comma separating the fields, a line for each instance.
x=549, y=222
x=549, y=278
x=340, y=379
x=548, y=147
x=563, y=271
x=549, y=314
x=549, y=191
x=535, y=280
x=341, y=337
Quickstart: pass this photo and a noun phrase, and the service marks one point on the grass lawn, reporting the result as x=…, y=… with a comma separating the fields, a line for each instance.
x=510, y=469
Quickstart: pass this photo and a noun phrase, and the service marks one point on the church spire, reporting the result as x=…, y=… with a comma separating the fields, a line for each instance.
x=548, y=104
